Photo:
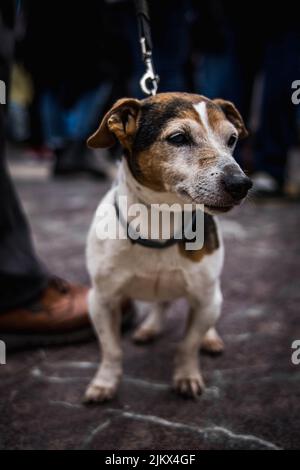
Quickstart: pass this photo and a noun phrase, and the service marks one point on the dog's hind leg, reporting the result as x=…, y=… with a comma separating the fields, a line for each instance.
x=212, y=342
x=152, y=325
x=106, y=317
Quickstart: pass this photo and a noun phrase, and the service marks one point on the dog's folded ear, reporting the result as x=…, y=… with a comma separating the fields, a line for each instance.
x=232, y=115
x=119, y=122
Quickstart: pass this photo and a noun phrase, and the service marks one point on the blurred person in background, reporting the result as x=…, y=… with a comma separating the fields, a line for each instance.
x=236, y=43
x=277, y=130
x=64, y=51
x=76, y=73
x=35, y=306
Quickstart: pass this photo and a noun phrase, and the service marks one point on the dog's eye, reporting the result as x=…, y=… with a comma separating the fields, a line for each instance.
x=232, y=140
x=178, y=139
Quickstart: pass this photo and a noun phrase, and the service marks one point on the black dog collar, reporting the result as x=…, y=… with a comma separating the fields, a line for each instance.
x=153, y=243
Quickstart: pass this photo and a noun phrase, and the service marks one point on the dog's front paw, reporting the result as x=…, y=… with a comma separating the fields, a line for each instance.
x=98, y=392
x=190, y=386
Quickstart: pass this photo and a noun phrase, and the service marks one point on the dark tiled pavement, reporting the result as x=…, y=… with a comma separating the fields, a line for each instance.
x=252, y=400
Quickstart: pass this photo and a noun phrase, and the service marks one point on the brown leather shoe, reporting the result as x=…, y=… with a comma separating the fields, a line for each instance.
x=60, y=315
x=62, y=307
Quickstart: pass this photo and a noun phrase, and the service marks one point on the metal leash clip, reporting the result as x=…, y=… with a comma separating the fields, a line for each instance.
x=149, y=81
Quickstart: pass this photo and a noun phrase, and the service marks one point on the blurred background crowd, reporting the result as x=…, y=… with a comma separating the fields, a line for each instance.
x=72, y=61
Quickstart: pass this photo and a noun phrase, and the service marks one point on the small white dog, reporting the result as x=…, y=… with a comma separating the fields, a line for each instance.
x=177, y=149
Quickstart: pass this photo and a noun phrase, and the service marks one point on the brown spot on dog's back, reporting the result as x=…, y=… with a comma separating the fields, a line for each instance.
x=211, y=241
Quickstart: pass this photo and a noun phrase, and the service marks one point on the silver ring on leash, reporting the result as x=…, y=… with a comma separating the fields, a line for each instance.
x=149, y=81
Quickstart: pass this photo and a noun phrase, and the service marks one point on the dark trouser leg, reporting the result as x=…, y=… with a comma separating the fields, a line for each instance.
x=277, y=132
x=22, y=277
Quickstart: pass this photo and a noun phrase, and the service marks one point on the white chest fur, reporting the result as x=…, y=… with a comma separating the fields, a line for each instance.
x=145, y=273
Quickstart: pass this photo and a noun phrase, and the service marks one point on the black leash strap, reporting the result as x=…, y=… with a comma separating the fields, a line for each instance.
x=149, y=81
x=142, y=13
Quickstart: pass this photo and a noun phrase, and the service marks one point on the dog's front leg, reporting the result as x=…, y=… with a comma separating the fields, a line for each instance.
x=106, y=317
x=202, y=316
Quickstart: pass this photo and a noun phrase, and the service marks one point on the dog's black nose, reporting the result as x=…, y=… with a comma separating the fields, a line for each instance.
x=237, y=185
